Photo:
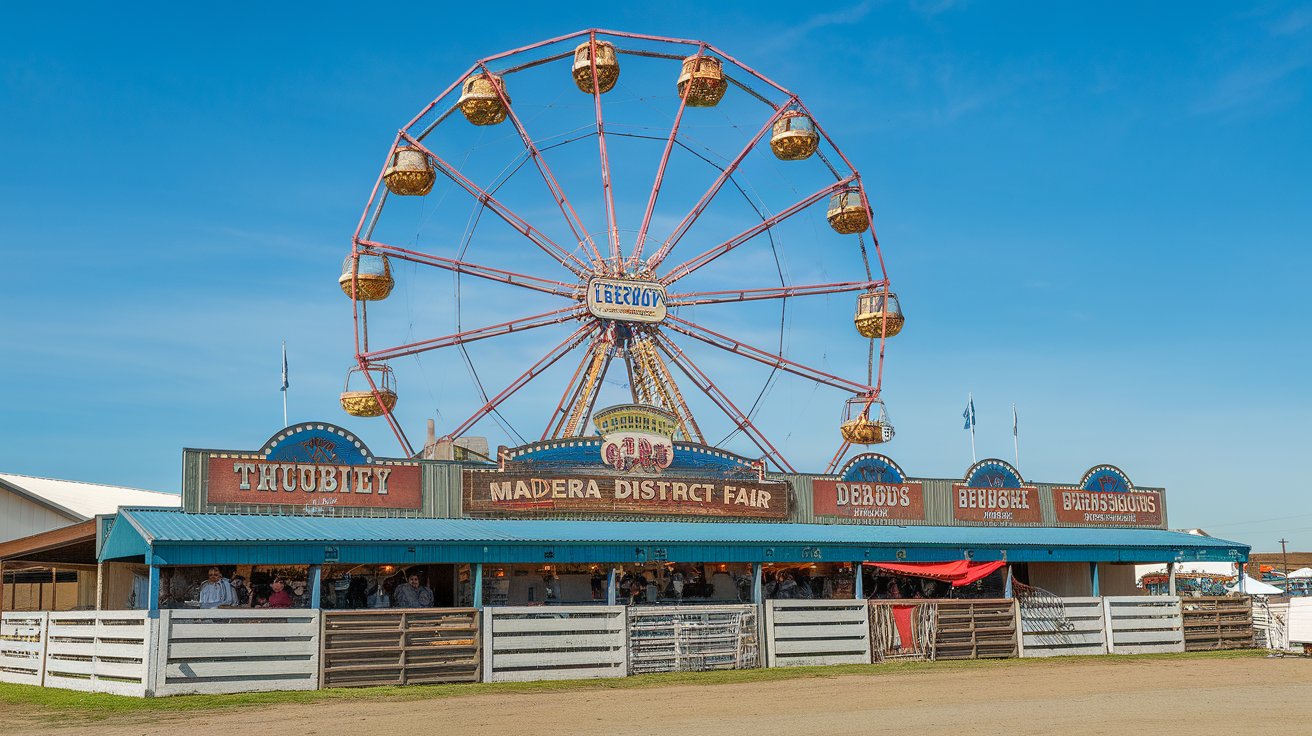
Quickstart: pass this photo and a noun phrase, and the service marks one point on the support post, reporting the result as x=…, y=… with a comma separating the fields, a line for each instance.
x=757, y=588
x=1170, y=578
x=860, y=587
x=100, y=585
x=316, y=580
x=478, y=585
x=1243, y=588
x=1093, y=575
x=2, y=586
x=152, y=596
x=611, y=591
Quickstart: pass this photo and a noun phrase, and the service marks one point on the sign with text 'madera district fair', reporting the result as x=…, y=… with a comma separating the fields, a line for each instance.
x=1105, y=497
x=994, y=492
x=871, y=487
x=518, y=493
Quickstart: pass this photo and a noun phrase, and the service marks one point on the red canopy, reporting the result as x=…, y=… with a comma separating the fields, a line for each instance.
x=962, y=572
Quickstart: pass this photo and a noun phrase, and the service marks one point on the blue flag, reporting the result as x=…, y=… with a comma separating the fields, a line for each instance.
x=969, y=414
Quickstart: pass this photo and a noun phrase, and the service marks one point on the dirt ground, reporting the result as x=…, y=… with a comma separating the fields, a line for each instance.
x=1071, y=697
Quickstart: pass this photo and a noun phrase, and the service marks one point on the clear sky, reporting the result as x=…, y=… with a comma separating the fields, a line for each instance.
x=1101, y=213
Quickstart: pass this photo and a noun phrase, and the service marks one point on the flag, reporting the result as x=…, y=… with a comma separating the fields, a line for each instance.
x=969, y=414
x=1015, y=423
x=284, y=367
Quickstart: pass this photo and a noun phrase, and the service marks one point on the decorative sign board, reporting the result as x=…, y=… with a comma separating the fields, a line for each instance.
x=873, y=487
x=1106, y=497
x=995, y=493
x=515, y=492
x=316, y=465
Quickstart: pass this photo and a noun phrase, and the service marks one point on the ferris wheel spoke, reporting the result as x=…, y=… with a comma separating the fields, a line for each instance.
x=481, y=333
x=728, y=344
x=721, y=401
x=694, y=298
x=612, y=230
x=571, y=217
x=561, y=350
x=537, y=237
x=660, y=169
x=687, y=267
x=536, y=283
x=664, y=251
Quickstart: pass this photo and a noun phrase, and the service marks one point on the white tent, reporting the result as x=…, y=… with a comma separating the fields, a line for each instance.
x=1302, y=572
x=1256, y=587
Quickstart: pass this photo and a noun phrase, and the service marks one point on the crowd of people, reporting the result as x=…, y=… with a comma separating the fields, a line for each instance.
x=219, y=591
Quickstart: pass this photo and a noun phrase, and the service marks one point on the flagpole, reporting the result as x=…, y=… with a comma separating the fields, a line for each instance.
x=1015, y=434
x=973, y=459
x=284, y=383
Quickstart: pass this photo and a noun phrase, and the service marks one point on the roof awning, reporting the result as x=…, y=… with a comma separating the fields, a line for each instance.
x=176, y=538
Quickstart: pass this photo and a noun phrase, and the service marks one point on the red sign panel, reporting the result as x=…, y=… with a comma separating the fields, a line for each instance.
x=497, y=492
x=894, y=501
x=1096, y=508
x=253, y=481
x=996, y=505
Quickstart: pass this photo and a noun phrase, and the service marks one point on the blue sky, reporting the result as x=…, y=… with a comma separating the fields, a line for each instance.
x=1101, y=214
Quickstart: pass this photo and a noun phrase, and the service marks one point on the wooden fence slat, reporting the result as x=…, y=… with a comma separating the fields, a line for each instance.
x=400, y=647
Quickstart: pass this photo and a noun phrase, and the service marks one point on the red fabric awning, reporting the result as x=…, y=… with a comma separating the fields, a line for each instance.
x=959, y=573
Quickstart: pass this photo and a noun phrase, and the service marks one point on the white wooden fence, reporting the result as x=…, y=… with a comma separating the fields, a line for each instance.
x=23, y=647
x=693, y=638
x=233, y=651
x=817, y=632
x=1143, y=624
x=522, y=643
x=1053, y=627
x=1300, y=621
x=100, y=651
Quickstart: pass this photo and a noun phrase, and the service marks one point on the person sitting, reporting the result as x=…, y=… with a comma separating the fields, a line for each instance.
x=216, y=592
x=241, y=590
x=412, y=594
x=280, y=597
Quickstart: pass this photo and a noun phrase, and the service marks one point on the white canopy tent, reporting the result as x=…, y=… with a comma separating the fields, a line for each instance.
x=1256, y=587
x=1302, y=572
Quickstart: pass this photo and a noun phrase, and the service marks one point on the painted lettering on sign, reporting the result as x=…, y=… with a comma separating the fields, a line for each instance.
x=253, y=481
x=1004, y=505
x=1108, y=508
x=498, y=492
x=626, y=300
x=895, y=501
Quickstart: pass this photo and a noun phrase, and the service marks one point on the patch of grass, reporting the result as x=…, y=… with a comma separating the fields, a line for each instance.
x=54, y=704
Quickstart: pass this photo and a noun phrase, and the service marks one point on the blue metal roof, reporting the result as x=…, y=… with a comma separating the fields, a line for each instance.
x=202, y=538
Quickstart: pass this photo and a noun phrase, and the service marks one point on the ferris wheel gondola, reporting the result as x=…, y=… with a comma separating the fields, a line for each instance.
x=627, y=307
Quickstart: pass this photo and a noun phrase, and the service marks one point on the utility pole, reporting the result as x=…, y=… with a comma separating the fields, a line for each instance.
x=1284, y=563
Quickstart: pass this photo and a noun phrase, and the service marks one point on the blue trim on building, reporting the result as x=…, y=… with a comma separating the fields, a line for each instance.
x=172, y=537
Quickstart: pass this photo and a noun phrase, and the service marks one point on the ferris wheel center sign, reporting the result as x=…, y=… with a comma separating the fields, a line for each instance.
x=626, y=300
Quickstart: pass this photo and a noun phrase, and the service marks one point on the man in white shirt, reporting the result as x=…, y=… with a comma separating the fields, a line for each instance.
x=217, y=592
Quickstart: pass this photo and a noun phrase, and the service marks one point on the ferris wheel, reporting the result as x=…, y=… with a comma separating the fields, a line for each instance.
x=623, y=279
